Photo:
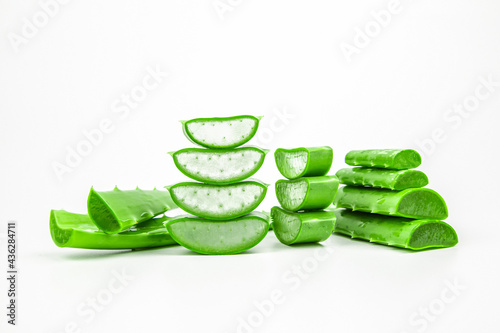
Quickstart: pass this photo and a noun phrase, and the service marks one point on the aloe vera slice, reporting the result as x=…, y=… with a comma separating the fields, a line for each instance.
x=307, y=192
x=219, y=237
x=219, y=166
x=304, y=162
x=224, y=132
x=417, y=203
x=383, y=178
x=395, y=231
x=117, y=210
x=307, y=227
x=398, y=159
x=77, y=231
x=218, y=202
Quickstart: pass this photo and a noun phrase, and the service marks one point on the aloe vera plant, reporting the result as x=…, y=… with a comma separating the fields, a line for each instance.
x=395, y=231
x=224, y=132
x=398, y=159
x=307, y=192
x=117, y=210
x=417, y=203
x=304, y=162
x=383, y=178
x=307, y=227
x=219, y=166
x=77, y=231
x=219, y=237
x=218, y=202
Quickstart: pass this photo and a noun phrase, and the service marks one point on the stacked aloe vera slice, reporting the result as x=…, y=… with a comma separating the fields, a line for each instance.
x=222, y=201
x=384, y=201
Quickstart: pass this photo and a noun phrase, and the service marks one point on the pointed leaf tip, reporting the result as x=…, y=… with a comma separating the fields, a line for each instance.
x=259, y=117
x=171, y=153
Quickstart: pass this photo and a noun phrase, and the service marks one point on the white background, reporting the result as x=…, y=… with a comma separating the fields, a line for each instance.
x=270, y=58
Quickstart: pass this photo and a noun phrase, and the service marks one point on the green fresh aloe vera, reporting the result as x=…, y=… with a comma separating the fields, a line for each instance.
x=77, y=231
x=307, y=227
x=218, y=202
x=417, y=203
x=395, y=231
x=219, y=166
x=117, y=210
x=219, y=237
x=223, y=132
x=307, y=192
x=399, y=159
x=383, y=178
x=304, y=162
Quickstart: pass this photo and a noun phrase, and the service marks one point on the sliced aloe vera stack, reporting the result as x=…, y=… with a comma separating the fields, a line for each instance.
x=219, y=166
x=383, y=178
x=219, y=237
x=395, y=231
x=307, y=192
x=304, y=162
x=218, y=202
x=384, y=158
x=227, y=132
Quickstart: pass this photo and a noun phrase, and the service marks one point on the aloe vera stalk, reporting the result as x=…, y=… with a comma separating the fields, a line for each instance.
x=383, y=178
x=307, y=192
x=307, y=227
x=304, y=162
x=395, y=231
x=224, y=132
x=117, y=210
x=417, y=203
x=398, y=159
x=218, y=202
x=77, y=231
x=219, y=237
x=219, y=166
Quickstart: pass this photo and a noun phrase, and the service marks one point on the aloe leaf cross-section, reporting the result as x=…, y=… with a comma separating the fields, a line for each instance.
x=383, y=178
x=307, y=192
x=304, y=162
x=398, y=159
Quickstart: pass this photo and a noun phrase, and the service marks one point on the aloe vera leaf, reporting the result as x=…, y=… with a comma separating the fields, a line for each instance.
x=218, y=202
x=224, y=132
x=383, y=178
x=395, y=231
x=417, y=203
x=307, y=227
x=219, y=237
x=304, y=162
x=307, y=192
x=77, y=231
x=117, y=210
x=219, y=166
x=398, y=159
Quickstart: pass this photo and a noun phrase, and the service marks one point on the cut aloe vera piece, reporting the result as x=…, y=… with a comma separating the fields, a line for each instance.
x=77, y=231
x=304, y=162
x=227, y=132
x=307, y=227
x=218, y=202
x=395, y=231
x=383, y=178
x=117, y=210
x=219, y=166
x=399, y=159
x=307, y=192
x=219, y=237
x=417, y=203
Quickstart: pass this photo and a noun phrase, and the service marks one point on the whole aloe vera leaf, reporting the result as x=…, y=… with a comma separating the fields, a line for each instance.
x=219, y=237
x=395, y=231
x=383, y=178
x=77, y=231
x=307, y=192
x=219, y=166
x=307, y=227
x=399, y=159
x=416, y=203
x=304, y=162
x=223, y=132
x=218, y=202
x=117, y=210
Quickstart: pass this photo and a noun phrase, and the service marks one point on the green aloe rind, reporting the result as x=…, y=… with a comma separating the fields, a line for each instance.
x=389, y=179
x=399, y=159
x=307, y=193
x=304, y=161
